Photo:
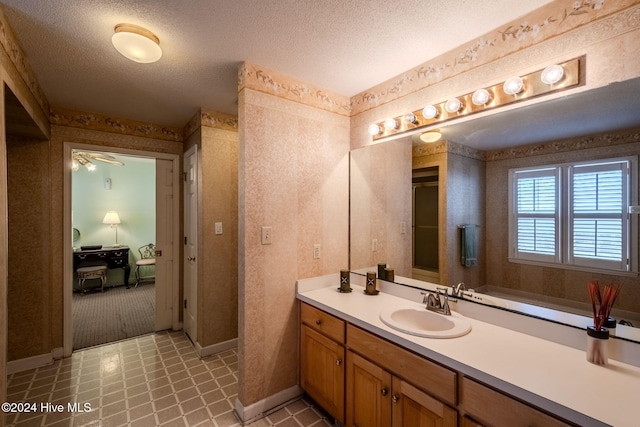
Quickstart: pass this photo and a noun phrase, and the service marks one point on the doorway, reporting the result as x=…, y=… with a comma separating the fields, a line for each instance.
x=162, y=228
x=113, y=215
x=425, y=225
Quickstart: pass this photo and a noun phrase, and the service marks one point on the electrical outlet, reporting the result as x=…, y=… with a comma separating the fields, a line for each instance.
x=374, y=245
x=267, y=236
x=218, y=227
x=316, y=251
x=403, y=227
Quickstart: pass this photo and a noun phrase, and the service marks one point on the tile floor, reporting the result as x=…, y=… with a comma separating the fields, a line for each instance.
x=153, y=380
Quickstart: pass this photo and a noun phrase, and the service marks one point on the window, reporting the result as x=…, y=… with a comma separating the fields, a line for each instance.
x=573, y=214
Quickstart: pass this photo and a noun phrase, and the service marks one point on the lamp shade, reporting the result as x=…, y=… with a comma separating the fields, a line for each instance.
x=136, y=43
x=111, y=218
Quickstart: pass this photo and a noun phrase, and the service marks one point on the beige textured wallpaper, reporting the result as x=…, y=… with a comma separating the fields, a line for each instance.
x=294, y=170
x=29, y=285
x=218, y=275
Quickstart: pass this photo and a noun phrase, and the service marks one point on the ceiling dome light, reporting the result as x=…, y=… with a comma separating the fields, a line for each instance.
x=430, y=112
x=373, y=129
x=513, y=85
x=552, y=74
x=136, y=43
x=431, y=136
x=453, y=105
x=481, y=97
x=410, y=118
x=390, y=124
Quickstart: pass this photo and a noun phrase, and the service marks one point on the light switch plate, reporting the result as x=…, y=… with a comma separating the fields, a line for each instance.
x=267, y=236
x=218, y=227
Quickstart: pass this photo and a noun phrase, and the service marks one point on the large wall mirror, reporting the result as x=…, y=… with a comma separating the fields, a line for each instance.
x=391, y=184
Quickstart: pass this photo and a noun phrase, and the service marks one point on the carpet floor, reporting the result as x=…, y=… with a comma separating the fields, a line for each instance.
x=115, y=314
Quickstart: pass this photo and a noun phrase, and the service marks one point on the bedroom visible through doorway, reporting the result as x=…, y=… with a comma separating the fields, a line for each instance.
x=113, y=214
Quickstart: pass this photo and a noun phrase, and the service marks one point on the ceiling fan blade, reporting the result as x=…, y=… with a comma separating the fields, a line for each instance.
x=103, y=158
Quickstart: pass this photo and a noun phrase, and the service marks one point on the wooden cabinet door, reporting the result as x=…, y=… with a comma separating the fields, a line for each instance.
x=414, y=408
x=368, y=393
x=322, y=371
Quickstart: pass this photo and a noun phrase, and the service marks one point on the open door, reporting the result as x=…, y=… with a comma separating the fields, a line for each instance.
x=165, y=256
x=191, y=243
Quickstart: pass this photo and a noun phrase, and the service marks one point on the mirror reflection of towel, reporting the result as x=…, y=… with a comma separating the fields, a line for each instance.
x=468, y=245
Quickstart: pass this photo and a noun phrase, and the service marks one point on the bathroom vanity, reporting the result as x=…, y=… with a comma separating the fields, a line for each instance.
x=364, y=372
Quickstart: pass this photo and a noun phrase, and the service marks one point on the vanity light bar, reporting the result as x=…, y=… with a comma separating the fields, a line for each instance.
x=533, y=84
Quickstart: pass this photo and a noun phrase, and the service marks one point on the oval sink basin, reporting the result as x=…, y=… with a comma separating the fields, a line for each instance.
x=423, y=323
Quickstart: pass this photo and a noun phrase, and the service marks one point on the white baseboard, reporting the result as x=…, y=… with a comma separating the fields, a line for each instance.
x=57, y=353
x=263, y=407
x=216, y=348
x=27, y=363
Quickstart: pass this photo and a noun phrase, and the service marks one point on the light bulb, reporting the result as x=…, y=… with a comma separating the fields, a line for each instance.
x=453, y=105
x=410, y=118
x=430, y=112
x=390, y=124
x=552, y=74
x=480, y=97
x=513, y=85
x=373, y=129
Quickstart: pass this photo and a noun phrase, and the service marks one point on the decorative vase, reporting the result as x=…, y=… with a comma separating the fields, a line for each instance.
x=597, y=345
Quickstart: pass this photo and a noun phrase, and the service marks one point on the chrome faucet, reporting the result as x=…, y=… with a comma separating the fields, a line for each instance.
x=438, y=303
x=458, y=289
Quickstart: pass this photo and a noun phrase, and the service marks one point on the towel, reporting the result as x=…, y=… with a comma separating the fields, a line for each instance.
x=468, y=245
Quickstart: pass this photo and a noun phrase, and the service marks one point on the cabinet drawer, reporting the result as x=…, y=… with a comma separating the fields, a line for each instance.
x=322, y=322
x=493, y=408
x=435, y=379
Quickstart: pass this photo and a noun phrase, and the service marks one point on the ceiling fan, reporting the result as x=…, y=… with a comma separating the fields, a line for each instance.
x=86, y=159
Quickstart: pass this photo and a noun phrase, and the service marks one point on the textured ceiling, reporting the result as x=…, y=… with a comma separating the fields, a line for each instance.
x=342, y=46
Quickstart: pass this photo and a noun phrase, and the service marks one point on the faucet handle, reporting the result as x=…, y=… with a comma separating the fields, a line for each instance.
x=424, y=297
x=445, y=307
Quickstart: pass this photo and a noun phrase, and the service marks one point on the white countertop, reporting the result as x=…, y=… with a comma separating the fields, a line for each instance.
x=552, y=376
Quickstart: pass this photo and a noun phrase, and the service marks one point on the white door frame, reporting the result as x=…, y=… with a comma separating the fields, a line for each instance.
x=67, y=270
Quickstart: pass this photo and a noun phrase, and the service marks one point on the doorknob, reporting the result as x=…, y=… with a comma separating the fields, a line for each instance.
x=191, y=258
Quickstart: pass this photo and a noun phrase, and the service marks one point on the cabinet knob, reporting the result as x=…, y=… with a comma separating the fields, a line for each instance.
x=339, y=362
x=395, y=398
x=384, y=391
x=318, y=322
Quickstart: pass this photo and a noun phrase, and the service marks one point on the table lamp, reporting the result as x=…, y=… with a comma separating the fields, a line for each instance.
x=113, y=220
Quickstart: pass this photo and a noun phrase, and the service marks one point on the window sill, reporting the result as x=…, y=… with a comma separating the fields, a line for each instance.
x=575, y=268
